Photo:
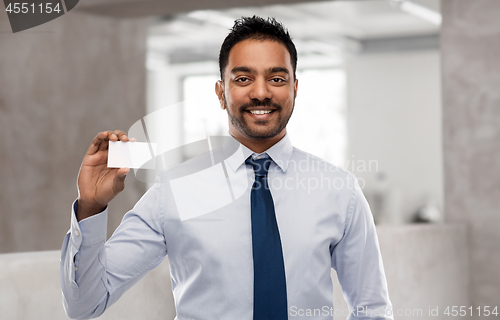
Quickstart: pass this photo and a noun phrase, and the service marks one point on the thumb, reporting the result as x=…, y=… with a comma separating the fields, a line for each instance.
x=119, y=180
x=121, y=173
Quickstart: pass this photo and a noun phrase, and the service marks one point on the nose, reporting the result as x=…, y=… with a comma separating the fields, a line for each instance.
x=260, y=90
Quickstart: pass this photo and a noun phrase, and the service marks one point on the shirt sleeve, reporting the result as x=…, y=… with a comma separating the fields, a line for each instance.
x=358, y=262
x=95, y=273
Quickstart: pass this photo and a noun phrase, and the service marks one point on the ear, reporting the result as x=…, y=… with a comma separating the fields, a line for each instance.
x=219, y=91
x=295, y=87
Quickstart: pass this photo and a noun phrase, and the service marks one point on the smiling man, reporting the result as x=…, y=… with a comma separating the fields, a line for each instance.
x=265, y=255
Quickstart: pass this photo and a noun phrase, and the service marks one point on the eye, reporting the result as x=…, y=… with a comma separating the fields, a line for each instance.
x=242, y=79
x=277, y=80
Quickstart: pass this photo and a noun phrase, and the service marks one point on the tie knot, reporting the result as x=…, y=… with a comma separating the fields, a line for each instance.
x=260, y=166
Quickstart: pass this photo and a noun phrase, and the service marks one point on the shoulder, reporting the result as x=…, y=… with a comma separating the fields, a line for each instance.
x=339, y=186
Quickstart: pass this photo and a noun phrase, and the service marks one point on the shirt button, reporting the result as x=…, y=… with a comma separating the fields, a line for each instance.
x=76, y=268
x=77, y=233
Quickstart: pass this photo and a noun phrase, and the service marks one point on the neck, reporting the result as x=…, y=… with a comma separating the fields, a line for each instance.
x=257, y=145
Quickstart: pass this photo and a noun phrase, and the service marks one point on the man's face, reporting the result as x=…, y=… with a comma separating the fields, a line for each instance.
x=258, y=91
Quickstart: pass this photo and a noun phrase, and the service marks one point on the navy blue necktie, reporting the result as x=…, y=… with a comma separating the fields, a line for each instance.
x=270, y=301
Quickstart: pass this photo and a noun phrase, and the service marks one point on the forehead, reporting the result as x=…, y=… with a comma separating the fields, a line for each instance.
x=259, y=55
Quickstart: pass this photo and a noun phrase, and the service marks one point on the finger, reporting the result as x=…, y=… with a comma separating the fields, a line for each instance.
x=122, y=136
x=132, y=139
x=105, y=141
x=96, y=143
x=122, y=172
x=119, y=182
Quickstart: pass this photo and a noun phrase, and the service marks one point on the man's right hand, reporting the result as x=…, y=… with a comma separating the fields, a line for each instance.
x=98, y=184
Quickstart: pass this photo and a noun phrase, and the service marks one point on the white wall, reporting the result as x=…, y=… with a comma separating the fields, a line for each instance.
x=394, y=119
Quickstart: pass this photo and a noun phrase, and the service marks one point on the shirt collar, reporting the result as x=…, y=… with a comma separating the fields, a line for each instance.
x=280, y=152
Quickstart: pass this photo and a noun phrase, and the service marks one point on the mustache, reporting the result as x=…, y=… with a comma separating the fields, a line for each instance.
x=260, y=103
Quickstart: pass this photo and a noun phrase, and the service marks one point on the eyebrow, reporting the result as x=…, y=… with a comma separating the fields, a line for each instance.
x=250, y=70
x=279, y=69
x=242, y=69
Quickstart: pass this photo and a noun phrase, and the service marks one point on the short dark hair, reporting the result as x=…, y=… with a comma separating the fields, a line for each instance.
x=259, y=29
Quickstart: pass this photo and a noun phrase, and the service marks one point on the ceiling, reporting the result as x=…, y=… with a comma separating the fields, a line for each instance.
x=325, y=27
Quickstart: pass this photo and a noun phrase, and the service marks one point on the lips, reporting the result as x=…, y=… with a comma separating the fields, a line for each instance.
x=260, y=110
x=260, y=114
x=257, y=111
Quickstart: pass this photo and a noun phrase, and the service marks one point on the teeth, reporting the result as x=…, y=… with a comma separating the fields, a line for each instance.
x=260, y=111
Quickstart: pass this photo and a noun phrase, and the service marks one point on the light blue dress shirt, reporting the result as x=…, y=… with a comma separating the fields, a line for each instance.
x=201, y=218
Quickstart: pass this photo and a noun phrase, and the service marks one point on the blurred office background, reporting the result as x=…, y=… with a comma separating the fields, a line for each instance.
x=402, y=93
x=369, y=96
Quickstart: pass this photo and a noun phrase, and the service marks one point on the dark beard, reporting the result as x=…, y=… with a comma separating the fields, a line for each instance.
x=242, y=126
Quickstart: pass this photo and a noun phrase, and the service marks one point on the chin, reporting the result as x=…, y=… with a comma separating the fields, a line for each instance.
x=261, y=134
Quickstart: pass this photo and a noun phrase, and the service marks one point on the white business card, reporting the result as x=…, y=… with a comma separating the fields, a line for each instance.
x=134, y=155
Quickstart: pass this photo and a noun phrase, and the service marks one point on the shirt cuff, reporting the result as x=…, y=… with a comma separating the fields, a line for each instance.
x=88, y=231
